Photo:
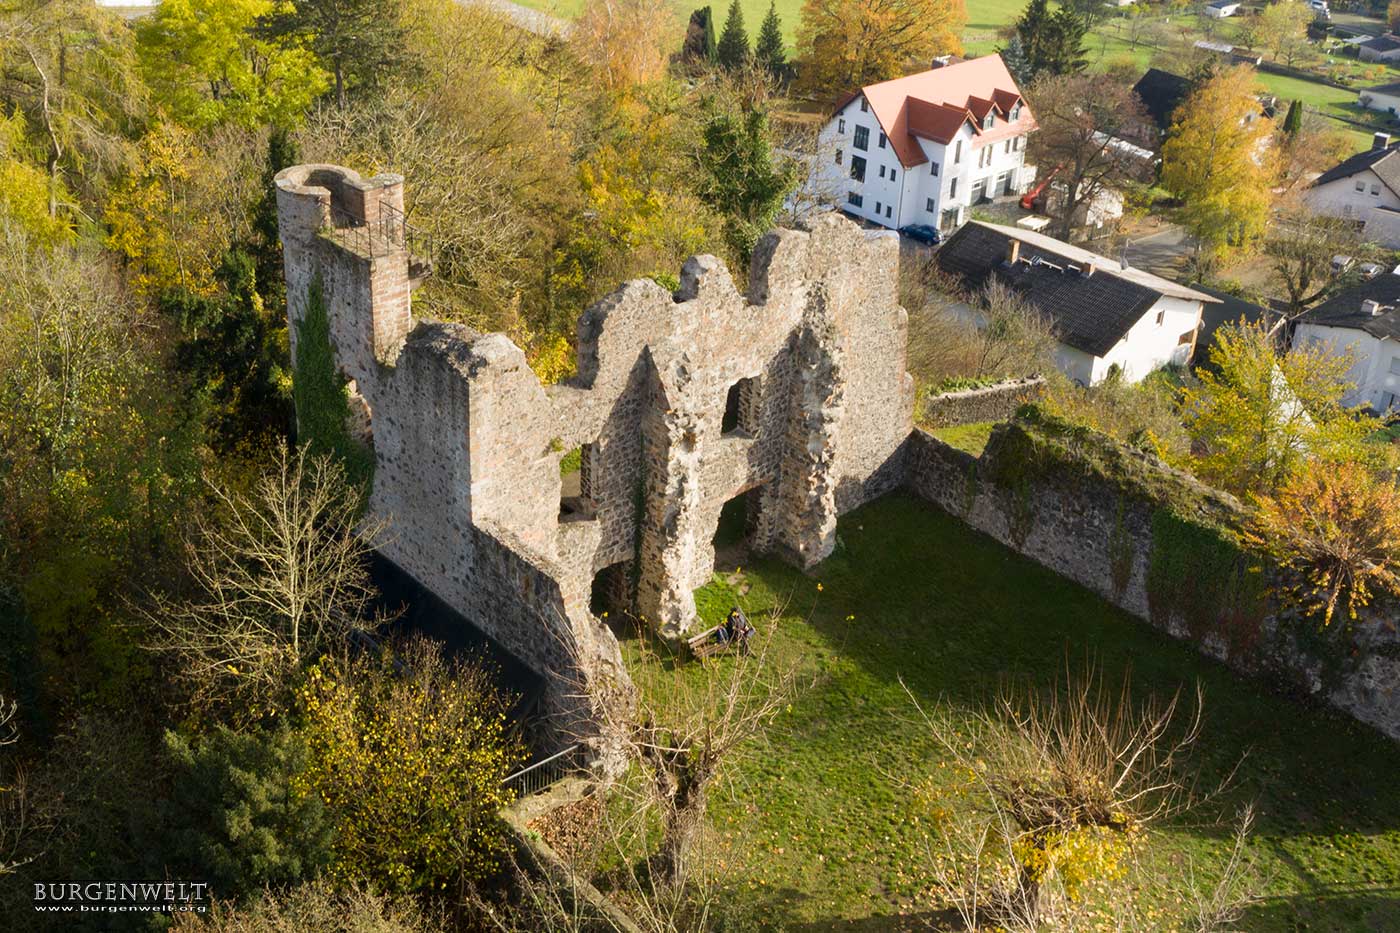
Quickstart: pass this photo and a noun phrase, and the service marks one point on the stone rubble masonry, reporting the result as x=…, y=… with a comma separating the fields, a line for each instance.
x=989, y=403
x=467, y=442
x=1076, y=527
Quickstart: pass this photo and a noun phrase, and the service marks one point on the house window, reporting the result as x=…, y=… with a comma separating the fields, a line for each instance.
x=855, y=200
x=864, y=105
x=1186, y=338
x=1161, y=316
x=838, y=156
x=857, y=168
x=882, y=171
x=989, y=121
x=882, y=140
x=841, y=125
x=1006, y=148
x=928, y=206
x=957, y=153
x=862, y=138
x=1361, y=186
x=1375, y=190
x=953, y=188
x=879, y=207
x=1015, y=112
x=933, y=168
x=1395, y=366
x=891, y=174
x=889, y=212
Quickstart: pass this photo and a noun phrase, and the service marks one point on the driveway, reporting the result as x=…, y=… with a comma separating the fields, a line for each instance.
x=1163, y=253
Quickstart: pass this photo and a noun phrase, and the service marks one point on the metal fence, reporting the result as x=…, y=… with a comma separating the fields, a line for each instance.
x=389, y=232
x=532, y=779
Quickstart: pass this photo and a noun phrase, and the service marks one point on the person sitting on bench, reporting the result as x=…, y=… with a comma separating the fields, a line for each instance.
x=740, y=629
x=726, y=632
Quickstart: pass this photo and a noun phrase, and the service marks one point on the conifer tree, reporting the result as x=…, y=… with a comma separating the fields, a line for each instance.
x=1052, y=42
x=769, y=51
x=711, y=43
x=734, y=41
x=1294, y=121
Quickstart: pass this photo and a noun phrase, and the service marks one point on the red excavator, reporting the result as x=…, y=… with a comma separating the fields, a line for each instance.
x=1029, y=198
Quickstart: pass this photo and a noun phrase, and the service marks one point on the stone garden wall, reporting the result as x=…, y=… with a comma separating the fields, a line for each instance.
x=989, y=403
x=1149, y=539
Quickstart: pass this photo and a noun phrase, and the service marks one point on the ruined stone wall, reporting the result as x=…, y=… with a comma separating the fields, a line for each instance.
x=1093, y=533
x=989, y=403
x=467, y=443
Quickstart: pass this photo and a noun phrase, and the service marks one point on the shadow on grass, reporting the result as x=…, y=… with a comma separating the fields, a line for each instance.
x=913, y=598
x=1375, y=910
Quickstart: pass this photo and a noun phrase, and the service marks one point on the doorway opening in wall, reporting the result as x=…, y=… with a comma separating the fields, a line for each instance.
x=576, y=484
x=739, y=418
x=610, y=599
x=737, y=519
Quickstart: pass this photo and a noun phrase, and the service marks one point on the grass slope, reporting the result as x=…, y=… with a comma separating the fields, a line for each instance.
x=815, y=830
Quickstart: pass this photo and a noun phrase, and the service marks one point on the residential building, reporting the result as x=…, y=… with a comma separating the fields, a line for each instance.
x=1363, y=321
x=1231, y=309
x=923, y=148
x=1382, y=97
x=1222, y=8
x=1365, y=188
x=1161, y=92
x=1106, y=315
x=1380, y=49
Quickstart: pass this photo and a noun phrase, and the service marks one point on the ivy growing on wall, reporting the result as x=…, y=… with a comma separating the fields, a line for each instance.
x=320, y=394
x=1199, y=573
x=1121, y=551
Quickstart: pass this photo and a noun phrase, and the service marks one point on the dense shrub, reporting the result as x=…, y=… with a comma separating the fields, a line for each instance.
x=243, y=823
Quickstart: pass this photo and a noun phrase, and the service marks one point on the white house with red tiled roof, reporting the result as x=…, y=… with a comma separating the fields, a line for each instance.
x=921, y=149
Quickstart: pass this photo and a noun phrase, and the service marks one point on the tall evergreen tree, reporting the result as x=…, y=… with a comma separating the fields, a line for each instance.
x=1294, y=121
x=359, y=41
x=711, y=42
x=734, y=41
x=742, y=178
x=770, y=52
x=1053, y=42
x=1014, y=56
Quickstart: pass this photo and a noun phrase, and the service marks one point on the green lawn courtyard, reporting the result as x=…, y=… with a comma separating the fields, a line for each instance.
x=816, y=828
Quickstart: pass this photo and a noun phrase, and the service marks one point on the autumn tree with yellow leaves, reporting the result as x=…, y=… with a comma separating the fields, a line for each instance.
x=408, y=753
x=1217, y=161
x=846, y=44
x=1335, y=529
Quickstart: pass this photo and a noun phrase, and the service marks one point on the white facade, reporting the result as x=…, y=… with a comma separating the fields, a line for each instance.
x=1385, y=54
x=1363, y=197
x=1375, y=368
x=1220, y=11
x=1164, y=336
x=937, y=192
x=1386, y=101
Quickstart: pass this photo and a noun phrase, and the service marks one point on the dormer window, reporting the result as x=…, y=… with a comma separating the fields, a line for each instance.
x=989, y=121
x=1015, y=112
x=864, y=105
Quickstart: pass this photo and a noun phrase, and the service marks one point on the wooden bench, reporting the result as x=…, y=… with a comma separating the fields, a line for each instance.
x=708, y=643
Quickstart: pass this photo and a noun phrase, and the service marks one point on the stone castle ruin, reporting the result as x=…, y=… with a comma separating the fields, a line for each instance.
x=790, y=391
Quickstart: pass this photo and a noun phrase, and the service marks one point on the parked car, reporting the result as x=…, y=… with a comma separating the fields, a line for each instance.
x=922, y=233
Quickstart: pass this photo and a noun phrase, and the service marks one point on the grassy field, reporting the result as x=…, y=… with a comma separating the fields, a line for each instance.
x=969, y=437
x=815, y=830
